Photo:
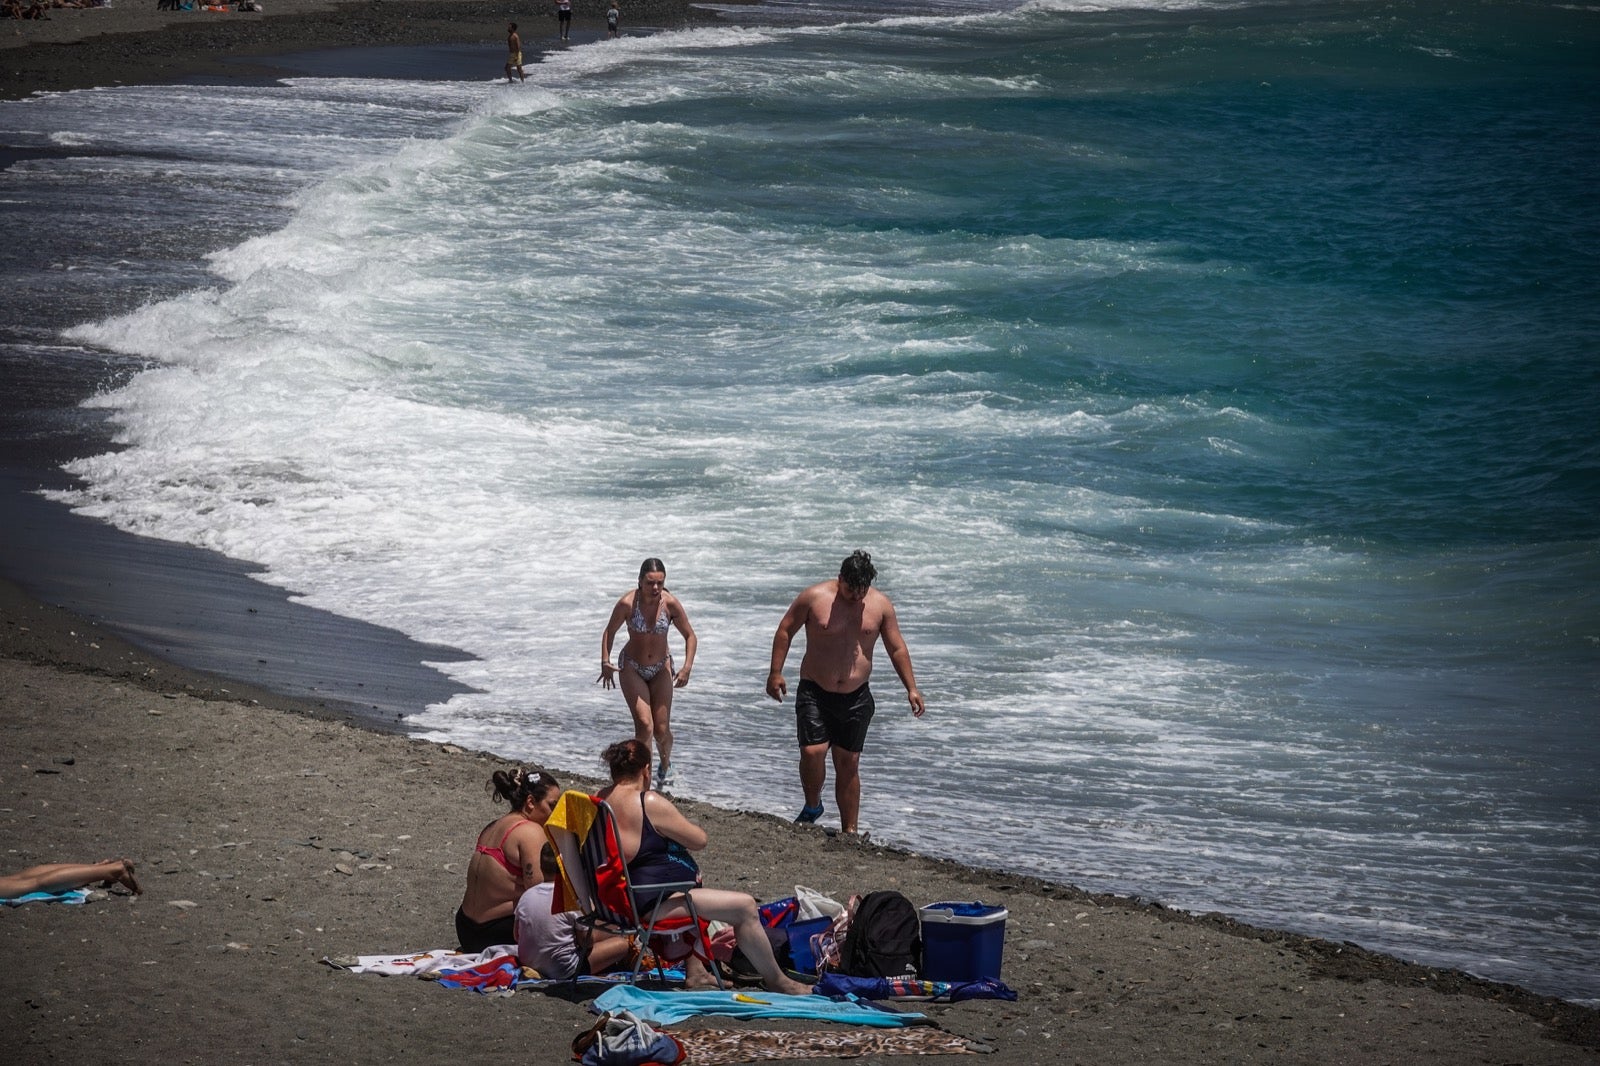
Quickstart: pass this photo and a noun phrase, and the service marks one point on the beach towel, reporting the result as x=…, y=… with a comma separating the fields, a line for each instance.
x=576, y=813
x=71, y=895
x=442, y=962
x=838, y=985
x=723, y=1047
x=416, y=963
x=664, y=1008
x=499, y=974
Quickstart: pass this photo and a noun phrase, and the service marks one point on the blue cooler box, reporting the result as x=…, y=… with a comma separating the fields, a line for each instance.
x=962, y=941
x=800, y=934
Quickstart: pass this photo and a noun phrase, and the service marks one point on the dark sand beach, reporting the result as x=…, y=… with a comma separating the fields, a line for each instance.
x=276, y=816
x=268, y=835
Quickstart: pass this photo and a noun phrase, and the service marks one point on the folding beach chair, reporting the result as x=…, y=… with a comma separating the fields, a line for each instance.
x=595, y=882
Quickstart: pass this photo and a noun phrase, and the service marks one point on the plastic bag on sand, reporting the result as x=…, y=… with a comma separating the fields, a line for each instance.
x=814, y=904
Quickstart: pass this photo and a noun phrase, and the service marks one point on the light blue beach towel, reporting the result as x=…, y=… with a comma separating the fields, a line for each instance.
x=664, y=1008
x=71, y=895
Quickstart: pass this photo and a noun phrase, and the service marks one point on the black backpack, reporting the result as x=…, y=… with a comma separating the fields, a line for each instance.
x=885, y=938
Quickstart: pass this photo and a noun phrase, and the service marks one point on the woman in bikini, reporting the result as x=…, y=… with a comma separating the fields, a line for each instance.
x=505, y=862
x=645, y=663
x=656, y=841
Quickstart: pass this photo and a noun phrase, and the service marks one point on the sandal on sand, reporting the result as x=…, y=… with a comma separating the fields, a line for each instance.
x=808, y=815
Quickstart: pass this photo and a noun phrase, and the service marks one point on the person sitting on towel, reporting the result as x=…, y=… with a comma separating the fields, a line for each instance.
x=505, y=860
x=554, y=943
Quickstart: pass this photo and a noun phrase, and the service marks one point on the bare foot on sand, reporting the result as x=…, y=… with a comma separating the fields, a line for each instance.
x=788, y=987
x=124, y=877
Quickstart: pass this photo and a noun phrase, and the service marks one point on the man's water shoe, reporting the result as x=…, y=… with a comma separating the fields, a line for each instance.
x=808, y=815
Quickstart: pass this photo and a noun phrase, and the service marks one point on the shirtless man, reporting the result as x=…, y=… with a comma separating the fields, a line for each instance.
x=843, y=620
x=514, y=56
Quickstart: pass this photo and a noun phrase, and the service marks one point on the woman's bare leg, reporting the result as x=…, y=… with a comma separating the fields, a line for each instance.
x=62, y=876
x=661, y=714
x=637, y=692
x=739, y=910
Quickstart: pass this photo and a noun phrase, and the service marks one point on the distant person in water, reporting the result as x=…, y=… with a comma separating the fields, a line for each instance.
x=833, y=706
x=564, y=19
x=66, y=876
x=649, y=613
x=613, y=19
x=514, y=58
x=505, y=859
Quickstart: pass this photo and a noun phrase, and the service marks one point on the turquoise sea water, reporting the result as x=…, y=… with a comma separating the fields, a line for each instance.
x=1216, y=387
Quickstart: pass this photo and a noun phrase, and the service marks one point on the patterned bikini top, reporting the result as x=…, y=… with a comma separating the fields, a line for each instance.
x=639, y=625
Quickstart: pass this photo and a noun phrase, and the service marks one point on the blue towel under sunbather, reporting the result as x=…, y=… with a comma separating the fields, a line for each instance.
x=71, y=895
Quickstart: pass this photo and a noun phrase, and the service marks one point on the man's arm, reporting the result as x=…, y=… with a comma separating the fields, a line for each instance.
x=900, y=658
x=793, y=619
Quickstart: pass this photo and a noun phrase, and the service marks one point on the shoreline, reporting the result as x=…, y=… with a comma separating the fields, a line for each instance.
x=268, y=835
x=124, y=45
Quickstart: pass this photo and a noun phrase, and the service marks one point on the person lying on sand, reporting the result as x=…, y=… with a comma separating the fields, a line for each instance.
x=65, y=876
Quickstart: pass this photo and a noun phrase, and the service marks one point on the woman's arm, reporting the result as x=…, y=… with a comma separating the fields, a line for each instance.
x=618, y=619
x=680, y=618
x=671, y=823
x=527, y=838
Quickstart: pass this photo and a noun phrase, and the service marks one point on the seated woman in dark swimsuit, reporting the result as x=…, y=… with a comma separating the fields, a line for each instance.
x=656, y=840
x=505, y=862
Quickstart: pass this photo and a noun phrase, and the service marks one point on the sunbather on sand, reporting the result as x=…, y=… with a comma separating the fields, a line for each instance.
x=656, y=841
x=64, y=876
x=505, y=862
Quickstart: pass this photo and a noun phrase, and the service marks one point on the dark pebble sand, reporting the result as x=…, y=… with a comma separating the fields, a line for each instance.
x=269, y=832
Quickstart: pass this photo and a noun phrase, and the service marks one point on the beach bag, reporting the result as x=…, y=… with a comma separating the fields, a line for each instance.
x=623, y=1039
x=885, y=938
x=776, y=918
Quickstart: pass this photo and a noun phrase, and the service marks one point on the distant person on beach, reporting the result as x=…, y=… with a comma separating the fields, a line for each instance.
x=564, y=19
x=66, y=876
x=656, y=841
x=833, y=706
x=553, y=942
x=514, y=59
x=649, y=612
x=505, y=861
x=613, y=19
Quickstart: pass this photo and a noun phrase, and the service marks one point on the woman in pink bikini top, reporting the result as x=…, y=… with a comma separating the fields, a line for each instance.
x=505, y=861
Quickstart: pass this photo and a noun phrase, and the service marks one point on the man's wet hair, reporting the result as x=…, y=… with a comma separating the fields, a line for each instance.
x=858, y=571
